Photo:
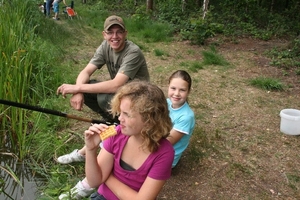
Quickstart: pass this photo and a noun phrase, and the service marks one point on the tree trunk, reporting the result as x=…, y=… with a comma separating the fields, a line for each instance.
x=149, y=5
x=183, y=5
x=205, y=7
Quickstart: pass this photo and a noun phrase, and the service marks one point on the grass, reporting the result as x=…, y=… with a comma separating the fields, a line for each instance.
x=29, y=57
x=267, y=83
x=211, y=57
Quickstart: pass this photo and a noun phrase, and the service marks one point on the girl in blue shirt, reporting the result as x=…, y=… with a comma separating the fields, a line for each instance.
x=182, y=116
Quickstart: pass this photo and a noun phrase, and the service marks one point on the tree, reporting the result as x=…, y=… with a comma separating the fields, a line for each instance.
x=149, y=5
x=205, y=7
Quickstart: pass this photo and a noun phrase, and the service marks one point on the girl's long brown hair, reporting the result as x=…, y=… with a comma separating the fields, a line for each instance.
x=149, y=101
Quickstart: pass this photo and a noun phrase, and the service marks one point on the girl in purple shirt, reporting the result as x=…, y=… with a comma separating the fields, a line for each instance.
x=137, y=161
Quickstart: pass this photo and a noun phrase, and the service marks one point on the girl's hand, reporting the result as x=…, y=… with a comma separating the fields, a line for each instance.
x=92, y=138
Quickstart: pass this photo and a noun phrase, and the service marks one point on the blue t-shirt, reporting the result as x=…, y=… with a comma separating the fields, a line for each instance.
x=183, y=120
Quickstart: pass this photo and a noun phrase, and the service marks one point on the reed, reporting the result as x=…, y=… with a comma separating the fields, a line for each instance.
x=15, y=68
x=24, y=71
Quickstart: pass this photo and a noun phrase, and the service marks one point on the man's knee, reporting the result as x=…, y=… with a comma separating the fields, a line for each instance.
x=104, y=101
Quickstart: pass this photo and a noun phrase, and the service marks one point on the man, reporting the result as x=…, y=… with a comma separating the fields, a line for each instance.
x=48, y=7
x=125, y=62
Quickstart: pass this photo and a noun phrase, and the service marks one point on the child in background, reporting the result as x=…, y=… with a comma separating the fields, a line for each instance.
x=56, y=8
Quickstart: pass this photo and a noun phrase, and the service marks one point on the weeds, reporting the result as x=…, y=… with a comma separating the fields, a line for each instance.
x=160, y=53
x=286, y=58
x=195, y=66
x=267, y=83
x=211, y=57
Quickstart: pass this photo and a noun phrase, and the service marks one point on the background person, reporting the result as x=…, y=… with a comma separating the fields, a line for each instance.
x=56, y=8
x=135, y=163
x=48, y=7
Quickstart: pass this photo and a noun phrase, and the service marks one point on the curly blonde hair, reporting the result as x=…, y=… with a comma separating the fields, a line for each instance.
x=149, y=101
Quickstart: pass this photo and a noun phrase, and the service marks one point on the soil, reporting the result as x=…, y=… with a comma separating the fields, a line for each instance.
x=237, y=150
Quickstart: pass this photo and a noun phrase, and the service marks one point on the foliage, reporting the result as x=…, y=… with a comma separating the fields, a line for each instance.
x=237, y=18
x=211, y=57
x=199, y=30
x=286, y=58
x=149, y=31
x=170, y=12
x=267, y=83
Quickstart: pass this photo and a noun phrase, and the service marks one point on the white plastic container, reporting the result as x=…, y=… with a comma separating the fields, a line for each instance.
x=290, y=121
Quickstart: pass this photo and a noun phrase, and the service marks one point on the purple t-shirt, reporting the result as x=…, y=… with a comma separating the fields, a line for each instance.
x=158, y=165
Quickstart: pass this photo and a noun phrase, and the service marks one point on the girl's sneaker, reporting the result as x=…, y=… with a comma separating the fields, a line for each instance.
x=74, y=156
x=78, y=192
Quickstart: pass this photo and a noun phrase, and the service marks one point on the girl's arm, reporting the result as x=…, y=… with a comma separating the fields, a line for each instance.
x=149, y=190
x=174, y=136
x=97, y=168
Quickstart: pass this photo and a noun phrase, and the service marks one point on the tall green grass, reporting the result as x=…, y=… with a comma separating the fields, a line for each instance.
x=31, y=67
x=26, y=70
x=16, y=69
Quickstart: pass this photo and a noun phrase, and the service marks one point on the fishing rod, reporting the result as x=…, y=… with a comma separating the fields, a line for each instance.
x=52, y=112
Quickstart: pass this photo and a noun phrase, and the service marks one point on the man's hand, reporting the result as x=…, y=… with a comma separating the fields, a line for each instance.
x=77, y=101
x=67, y=89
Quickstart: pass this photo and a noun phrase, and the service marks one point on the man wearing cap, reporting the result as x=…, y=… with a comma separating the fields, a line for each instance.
x=125, y=62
